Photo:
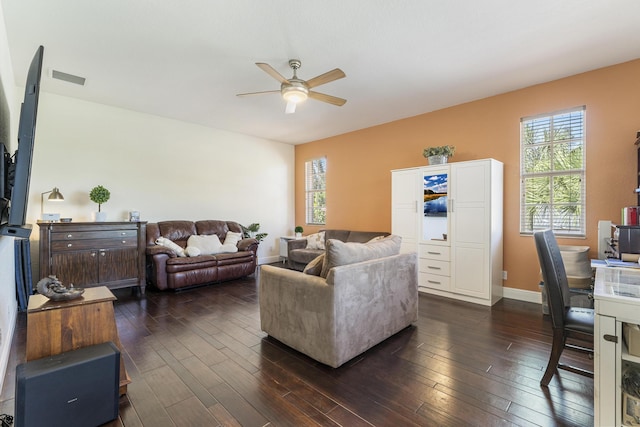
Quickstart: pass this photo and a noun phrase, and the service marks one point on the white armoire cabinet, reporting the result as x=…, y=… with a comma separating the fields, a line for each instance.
x=451, y=215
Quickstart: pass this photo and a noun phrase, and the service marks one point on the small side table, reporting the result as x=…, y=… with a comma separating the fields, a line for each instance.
x=55, y=327
x=284, y=243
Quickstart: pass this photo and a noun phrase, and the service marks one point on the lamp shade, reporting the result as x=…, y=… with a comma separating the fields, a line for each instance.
x=55, y=195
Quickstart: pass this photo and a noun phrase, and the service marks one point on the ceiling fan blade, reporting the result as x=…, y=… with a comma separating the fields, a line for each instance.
x=258, y=93
x=327, y=98
x=291, y=108
x=327, y=77
x=272, y=72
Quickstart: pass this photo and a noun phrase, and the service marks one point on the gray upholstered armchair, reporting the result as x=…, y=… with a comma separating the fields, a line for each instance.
x=359, y=304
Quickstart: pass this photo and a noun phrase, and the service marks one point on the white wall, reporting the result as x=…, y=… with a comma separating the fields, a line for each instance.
x=8, y=305
x=163, y=168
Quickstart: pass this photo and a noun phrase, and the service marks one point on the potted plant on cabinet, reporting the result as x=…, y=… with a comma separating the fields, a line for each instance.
x=439, y=155
x=99, y=195
x=298, y=230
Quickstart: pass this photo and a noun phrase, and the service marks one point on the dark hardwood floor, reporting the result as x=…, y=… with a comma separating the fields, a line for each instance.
x=199, y=358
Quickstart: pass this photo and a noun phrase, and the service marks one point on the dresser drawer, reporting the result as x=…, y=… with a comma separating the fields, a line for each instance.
x=435, y=252
x=434, y=281
x=432, y=266
x=83, y=235
x=84, y=244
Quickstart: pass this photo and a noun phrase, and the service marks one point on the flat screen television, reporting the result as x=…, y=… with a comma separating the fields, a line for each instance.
x=16, y=223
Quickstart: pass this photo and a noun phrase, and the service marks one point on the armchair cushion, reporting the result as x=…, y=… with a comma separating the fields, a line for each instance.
x=314, y=268
x=341, y=253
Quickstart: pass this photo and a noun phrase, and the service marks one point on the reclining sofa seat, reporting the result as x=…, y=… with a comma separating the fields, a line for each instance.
x=165, y=270
x=298, y=256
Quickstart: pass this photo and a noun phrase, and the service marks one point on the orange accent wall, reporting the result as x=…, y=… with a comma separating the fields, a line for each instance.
x=359, y=162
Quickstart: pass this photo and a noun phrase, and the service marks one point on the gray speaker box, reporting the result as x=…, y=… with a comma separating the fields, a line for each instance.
x=77, y=388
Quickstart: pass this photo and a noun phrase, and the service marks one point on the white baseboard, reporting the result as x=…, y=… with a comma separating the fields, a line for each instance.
x=522, y=295
x=268, y=259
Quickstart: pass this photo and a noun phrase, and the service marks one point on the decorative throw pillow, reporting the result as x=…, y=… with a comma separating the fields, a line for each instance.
x=227, y=248
x=232, y=238
x=314, y=268
x=162, y=241
x=207, y=245
x=192, y=251
x=316, y=241
x=341, y=253
x=375, y=239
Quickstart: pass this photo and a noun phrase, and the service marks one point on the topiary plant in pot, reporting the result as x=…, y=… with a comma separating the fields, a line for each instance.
x=99, y=195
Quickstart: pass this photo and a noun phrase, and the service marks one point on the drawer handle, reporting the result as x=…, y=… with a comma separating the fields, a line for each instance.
x=434, y=282
x=102, y=253
x=69, y=245
x=69, y=236
x=610, y=338
x=124, y=241
x=434, y=268
x=434, y=253
x=93, y=254
x=124, y=233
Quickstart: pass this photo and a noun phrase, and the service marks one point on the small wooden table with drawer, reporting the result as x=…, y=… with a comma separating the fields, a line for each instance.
x=88, y=254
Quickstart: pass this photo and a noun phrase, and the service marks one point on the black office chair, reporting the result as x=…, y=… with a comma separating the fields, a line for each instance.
x=567, y=322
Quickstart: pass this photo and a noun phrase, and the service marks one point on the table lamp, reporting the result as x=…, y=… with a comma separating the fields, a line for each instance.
x=55, y=196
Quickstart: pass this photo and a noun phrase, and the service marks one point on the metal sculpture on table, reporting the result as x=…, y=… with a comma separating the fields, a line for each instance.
x=53, y=288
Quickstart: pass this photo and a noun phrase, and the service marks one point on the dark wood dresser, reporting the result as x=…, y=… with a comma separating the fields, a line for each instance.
x=88, y=254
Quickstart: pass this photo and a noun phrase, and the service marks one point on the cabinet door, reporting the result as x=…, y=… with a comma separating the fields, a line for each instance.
x=405, y=207
x=79, y=268
x=470, y=228
x=435, y=205
x=605, y=359
x=117, y=264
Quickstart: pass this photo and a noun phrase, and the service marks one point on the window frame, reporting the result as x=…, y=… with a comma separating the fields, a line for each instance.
x=316, y=191
x=558, y=213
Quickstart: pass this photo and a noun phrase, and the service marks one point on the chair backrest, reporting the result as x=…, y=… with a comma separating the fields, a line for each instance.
x=553, y=275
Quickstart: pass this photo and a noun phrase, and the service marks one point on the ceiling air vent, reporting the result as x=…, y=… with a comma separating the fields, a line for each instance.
x=67, y=77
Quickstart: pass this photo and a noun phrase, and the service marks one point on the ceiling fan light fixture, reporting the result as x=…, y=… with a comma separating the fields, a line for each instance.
x=295, y=94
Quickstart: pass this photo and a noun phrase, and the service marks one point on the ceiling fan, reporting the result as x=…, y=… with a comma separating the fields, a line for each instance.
x=295, y=90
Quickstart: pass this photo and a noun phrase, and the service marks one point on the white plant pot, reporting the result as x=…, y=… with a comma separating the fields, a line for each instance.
x=99, y=216
x=298, y=235
x=437, y=160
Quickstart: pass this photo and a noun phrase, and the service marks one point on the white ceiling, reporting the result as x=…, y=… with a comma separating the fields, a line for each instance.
x=187, y=60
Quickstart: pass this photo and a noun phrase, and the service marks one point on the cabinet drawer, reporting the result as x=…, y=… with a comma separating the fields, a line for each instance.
x=432, y=266
x=83, y=235
x=76, y=245
x=434, y=281
x=435, y=252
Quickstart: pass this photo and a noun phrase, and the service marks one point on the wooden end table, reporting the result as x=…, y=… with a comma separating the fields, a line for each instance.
x=55, y=327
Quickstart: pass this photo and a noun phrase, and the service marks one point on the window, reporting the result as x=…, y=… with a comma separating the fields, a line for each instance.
x=552, y=173
x=316, y=175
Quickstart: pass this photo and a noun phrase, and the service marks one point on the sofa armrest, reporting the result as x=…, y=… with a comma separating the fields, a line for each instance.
x=157, y=249
x=373, y=300
x=296, y=244
x=297, y=309
x=248, y=244
x=157, y=268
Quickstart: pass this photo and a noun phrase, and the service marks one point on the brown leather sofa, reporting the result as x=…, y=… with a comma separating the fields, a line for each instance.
x=298, y=256
x=165, y=270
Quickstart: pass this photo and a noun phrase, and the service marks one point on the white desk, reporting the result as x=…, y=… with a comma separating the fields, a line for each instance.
x=617, y=301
